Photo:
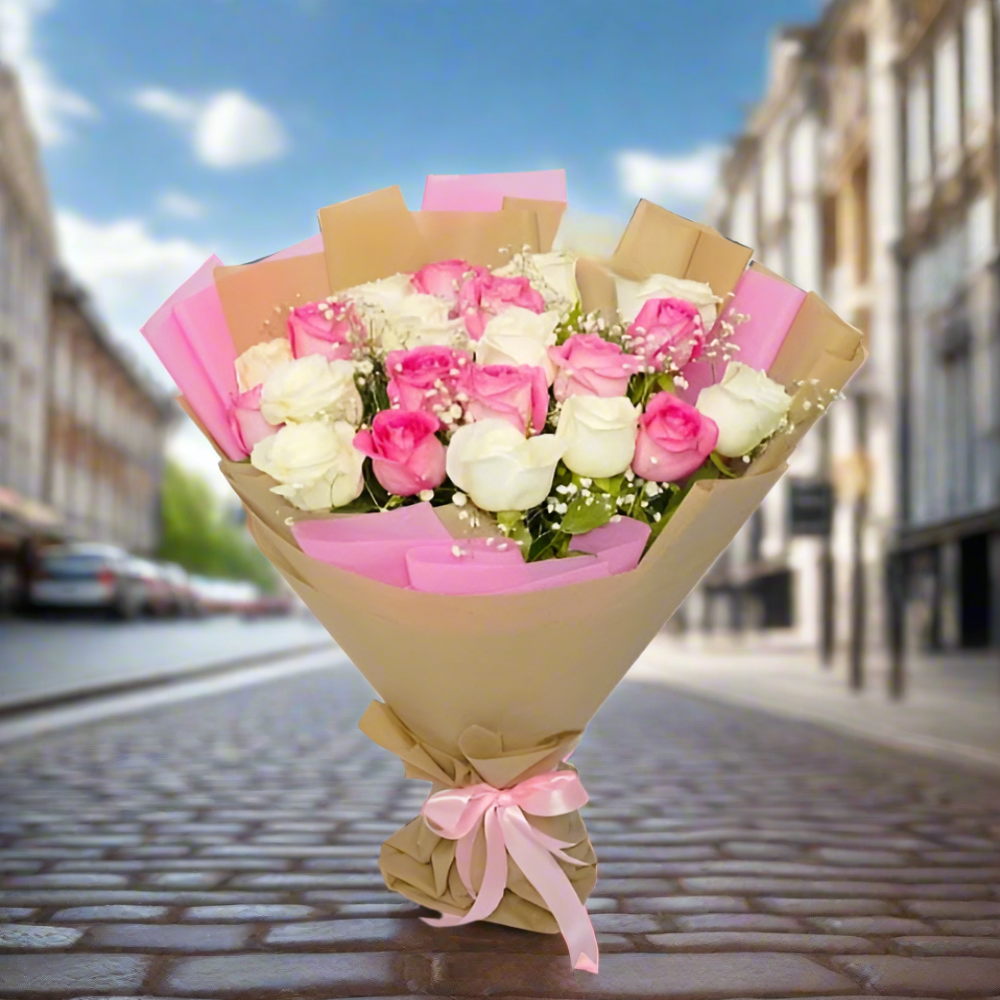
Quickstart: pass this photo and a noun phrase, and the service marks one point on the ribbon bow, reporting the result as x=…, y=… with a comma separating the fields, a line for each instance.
x=455, y=814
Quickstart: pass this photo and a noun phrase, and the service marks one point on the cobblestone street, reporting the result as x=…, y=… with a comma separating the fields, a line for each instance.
x=227, y=847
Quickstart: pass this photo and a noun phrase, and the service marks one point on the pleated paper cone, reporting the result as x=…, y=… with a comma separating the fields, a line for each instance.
x=527, y=666
x=492, y=688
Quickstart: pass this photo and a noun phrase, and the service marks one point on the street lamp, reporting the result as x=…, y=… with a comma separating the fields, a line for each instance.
x=851, y=477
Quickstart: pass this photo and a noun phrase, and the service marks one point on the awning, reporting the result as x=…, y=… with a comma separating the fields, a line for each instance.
x=913, y=537
x=29, y=513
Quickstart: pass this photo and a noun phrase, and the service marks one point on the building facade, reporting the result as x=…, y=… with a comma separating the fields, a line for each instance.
x=105, y=430
x=81, y=433
x=868, y=173
x=26, y=252
x=949, y=537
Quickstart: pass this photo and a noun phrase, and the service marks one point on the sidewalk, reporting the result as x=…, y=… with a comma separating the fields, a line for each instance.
x=227, y=848
x=951, y=709
x=44, y=661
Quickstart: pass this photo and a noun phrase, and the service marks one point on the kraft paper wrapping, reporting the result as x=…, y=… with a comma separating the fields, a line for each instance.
x=418, y=864
x=516, y=669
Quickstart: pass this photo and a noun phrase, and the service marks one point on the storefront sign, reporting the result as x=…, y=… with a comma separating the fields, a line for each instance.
x=811, y=508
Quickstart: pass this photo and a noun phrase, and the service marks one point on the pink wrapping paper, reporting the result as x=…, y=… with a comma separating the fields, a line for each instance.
x=559, y=573
x=418, y=521
x=487, y=569
x=373, y=545
x=619, y=544
x=479, y=569
x=411, y=548
x=188, y=344
x=203, y=324
x=772, y=305
x=486, y=192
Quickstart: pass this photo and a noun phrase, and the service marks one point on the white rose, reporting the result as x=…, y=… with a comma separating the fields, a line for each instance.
x=498, y=468
x=256, y=363
x=419, y=320
x=382, y=294
x=311, y=387
x=316, y=464
x=519, y=337
x=747, y=406
x=599, y=433
x=557, y=271
x=633, y=295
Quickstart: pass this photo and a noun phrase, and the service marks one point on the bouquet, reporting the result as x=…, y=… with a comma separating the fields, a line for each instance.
x=493, y=471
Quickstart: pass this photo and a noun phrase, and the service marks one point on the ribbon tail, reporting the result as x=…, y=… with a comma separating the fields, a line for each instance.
x=494, y=879
x=556, y=847
x=463, y=860
x=544, y=873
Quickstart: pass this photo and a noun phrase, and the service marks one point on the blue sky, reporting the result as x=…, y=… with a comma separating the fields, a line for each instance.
x=174, y=128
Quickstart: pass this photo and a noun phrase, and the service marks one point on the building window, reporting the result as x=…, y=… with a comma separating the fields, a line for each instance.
x=978, y=72
x=947, y=105
x=955, y=408
x=918, y=136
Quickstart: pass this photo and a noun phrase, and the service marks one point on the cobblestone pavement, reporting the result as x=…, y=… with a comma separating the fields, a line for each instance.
x=227, y=847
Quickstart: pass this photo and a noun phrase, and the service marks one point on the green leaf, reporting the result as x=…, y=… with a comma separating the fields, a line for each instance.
x=363, y=505
x=720, y=463
x=513, y=524
x=665, y=382
x=571, y=554
x=612, y=485
x=542, y=546
x=582, y=517
x=707, y=471
x=570, y=325
x=668, y=512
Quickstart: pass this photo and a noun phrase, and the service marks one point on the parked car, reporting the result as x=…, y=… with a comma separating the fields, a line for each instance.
x=268, y=606
x=88, y=576
x=183, y=599
x=157, y=594
x=210, y=594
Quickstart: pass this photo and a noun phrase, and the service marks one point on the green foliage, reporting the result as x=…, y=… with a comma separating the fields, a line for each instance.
x=643, y=386
x=581, y=517
x=197, y=535
x=570, y=325
x=513, y=525
x=720, y=462
x=374, y=390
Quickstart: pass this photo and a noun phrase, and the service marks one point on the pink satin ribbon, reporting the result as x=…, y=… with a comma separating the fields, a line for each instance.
x=455, y=813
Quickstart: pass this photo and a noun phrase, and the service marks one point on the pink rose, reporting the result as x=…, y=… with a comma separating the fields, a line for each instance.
x=667, y=334
x=589, y=365
x=406, y=455
x=484, y=295
x=674, y=439
x=332, y=329
x=445, y=278
x=246, y=420
x=424, y=378
x=518, y=394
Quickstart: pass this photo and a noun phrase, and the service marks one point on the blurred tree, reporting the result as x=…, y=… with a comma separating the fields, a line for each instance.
x=198, y=535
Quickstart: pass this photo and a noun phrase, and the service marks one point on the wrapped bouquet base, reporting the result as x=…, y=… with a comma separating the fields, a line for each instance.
x=485, y=694
x=427, y=867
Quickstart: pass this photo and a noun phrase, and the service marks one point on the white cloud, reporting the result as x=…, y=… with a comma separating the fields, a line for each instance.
x=180, y=205
x=228, y=129
x=234, y=131
x=129, y=271
x=687, y=177
x=165, y=104
x=52, y=108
